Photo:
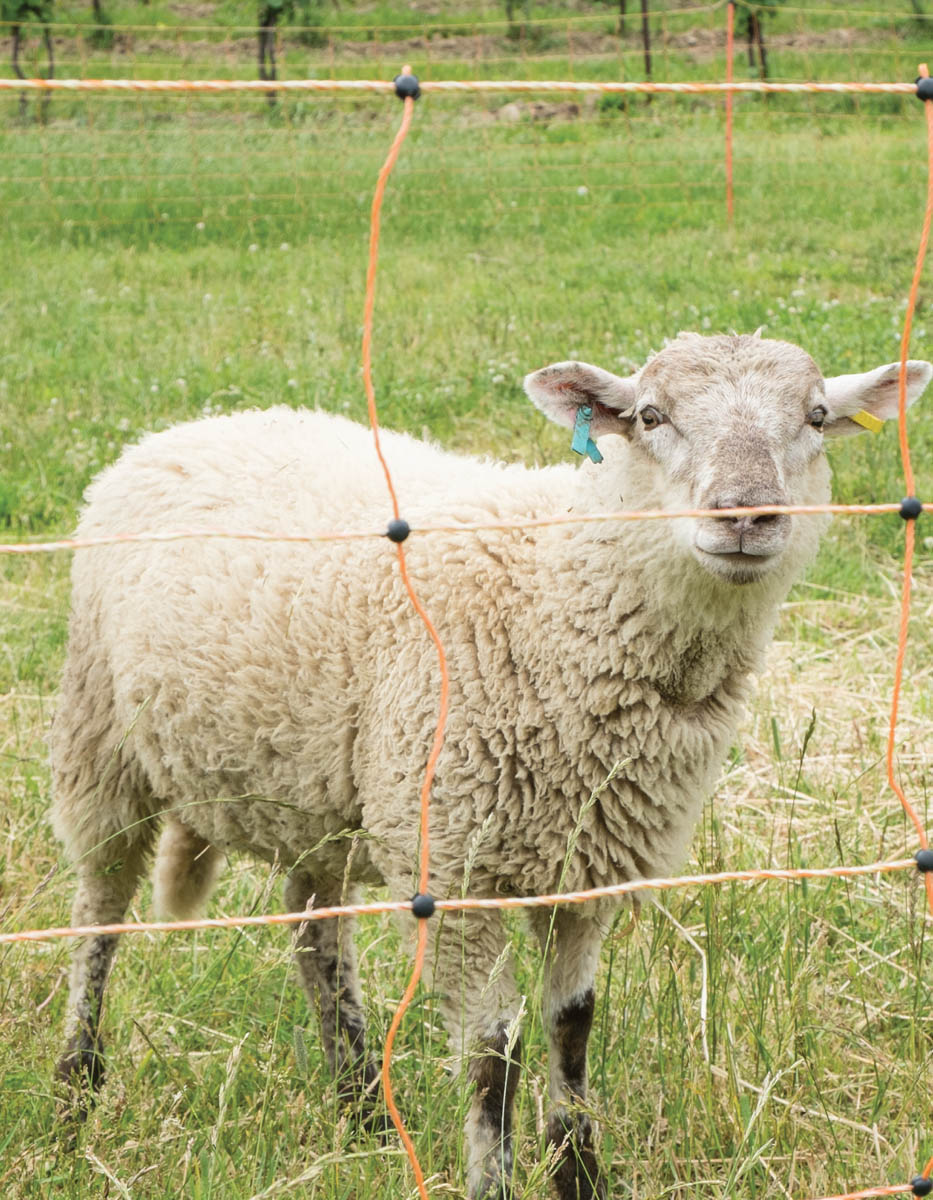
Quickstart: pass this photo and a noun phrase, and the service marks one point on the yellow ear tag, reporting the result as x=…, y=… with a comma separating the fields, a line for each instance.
x=867, y=420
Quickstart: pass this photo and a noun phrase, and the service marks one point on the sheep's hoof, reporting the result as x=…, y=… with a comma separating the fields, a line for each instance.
x=377, y=1123
x=498, y=1190
x=366, y=1114
x=578, y=1175
x=80, y=1072
x=494, y=1187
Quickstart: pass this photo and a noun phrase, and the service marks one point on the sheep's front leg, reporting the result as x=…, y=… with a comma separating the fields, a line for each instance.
x=473, y=972
x=494, y=1067
x=571, y=947
x=326, y=960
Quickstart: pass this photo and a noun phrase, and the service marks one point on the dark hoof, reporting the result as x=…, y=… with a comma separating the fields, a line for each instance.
x=80, y=1071
x=497, y=1189
x=365, y=1113
x=578, y=1175
x=377, y=1123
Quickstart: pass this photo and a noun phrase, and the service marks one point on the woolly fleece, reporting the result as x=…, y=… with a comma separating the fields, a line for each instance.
x=276, y=695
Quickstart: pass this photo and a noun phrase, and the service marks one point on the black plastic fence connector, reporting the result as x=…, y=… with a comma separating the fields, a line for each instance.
x=924, y=87
x=924, y=861
x=920, y=1185
x=422, y=905
x=407, y=85
x=911, y=507
x=397, y=530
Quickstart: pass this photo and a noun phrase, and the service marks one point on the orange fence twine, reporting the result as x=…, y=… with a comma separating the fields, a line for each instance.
x=730, y=44
x=917, y=1186
x=910, y=531
x=648, y=514
x=468, y=903
x=398, y=532
x=440, y=86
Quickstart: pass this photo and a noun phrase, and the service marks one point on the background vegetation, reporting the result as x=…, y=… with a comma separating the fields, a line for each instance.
x=164, y=258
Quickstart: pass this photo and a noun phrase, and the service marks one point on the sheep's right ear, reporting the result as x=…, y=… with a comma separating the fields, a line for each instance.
x=560, y=389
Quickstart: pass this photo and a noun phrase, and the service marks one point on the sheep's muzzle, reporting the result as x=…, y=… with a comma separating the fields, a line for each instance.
x=742, y=548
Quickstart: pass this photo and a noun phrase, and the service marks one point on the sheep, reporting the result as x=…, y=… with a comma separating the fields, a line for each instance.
x=280, y=698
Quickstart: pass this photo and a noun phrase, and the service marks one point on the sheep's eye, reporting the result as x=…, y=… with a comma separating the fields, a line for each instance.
x=651, y=418
x=817, y=417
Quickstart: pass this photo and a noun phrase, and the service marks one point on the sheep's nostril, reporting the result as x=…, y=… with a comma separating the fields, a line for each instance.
x=751, y=519
x=748, y=532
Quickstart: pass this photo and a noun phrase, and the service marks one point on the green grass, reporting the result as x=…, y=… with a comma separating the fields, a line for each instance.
x=116, y=319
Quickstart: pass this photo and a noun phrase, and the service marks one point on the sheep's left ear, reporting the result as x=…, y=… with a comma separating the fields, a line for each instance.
x=560, y=389
x=873, y=395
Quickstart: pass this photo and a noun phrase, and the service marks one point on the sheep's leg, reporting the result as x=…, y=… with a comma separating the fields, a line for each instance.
x=102, y=898
x=326, y=961
x=481, y=1010
x=571, y=947
x=106, y=816
x=494, y=1068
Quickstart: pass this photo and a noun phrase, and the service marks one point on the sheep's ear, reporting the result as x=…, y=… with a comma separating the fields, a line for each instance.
x=560, y=389
x=858, y=402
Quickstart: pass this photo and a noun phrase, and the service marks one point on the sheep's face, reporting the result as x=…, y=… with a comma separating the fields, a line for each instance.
x=725, y=422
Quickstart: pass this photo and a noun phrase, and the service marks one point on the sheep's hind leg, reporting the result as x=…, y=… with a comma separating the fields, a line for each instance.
x=102, y=898
x=571, y=947
x=326, y=961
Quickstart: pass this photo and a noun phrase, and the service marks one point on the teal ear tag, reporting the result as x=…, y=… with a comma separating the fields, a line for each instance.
x=582, y=442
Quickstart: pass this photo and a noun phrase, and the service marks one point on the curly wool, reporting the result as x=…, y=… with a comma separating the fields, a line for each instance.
x=276, y=695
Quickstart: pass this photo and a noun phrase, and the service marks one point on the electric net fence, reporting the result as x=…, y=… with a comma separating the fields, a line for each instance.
x=179, y=140
x=423, y=906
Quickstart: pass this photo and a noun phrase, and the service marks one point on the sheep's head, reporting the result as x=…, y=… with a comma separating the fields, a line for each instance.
x=725, y=422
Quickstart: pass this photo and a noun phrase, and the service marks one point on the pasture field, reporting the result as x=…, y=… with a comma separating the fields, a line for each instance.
x=163, y=259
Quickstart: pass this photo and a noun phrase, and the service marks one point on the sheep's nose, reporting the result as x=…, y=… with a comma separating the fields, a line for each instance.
x=759, y=535
x=751, y=520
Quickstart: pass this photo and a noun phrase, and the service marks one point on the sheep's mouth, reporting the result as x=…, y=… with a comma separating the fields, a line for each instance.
x=737, y=566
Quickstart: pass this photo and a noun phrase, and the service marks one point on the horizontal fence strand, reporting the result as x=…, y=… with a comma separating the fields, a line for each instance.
x=439, y=86
x=896, y=1189
x=471, y=903
x=178, y=535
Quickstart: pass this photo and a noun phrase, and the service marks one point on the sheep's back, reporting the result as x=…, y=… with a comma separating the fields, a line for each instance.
x=249, y=668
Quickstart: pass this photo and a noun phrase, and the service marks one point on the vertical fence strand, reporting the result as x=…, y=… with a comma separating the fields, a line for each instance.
x=730, y=51
x=422, y=937
x=910, y=530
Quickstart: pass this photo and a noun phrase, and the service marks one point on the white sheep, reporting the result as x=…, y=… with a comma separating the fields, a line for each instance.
x=276, y=698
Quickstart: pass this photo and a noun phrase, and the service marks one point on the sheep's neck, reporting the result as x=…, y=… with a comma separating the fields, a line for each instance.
x=634, y=616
